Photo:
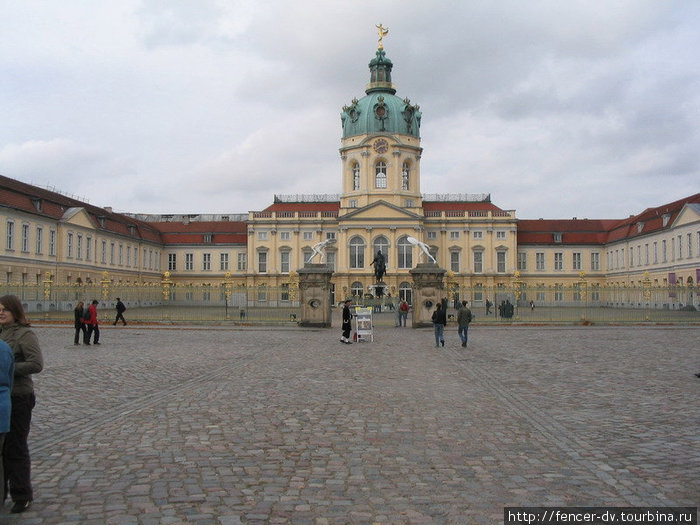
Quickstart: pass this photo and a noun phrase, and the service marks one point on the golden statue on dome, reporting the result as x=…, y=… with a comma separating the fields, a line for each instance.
x=383, y=31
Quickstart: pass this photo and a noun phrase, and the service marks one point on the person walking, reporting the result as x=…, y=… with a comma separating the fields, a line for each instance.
x=464, y=317
x=16, y=332
x=7, y=372
x=92, y=324
x=347, y=323
x=439, y=319
x=120, y=312
x=80, y=315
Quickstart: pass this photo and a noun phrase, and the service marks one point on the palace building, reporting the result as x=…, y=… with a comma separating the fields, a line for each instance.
x=379, y=207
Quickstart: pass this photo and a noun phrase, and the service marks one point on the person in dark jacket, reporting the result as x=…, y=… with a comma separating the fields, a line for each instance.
x=120, y=312
x=80, y=313
x=439, y=322
x=15, y=331
x=347, y=323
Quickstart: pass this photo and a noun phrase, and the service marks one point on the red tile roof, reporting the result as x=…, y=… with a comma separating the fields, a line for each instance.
x=53, y=205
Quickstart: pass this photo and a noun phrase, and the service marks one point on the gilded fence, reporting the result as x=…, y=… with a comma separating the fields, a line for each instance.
x=225, y=302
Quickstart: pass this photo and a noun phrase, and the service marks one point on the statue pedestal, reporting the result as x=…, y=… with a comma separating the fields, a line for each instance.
x=428, y=290
x=315, y=295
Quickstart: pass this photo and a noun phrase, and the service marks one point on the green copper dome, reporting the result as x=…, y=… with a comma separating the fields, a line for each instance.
x=380, y=111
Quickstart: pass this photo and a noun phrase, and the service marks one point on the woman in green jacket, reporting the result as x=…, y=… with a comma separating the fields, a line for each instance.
x=15, y=331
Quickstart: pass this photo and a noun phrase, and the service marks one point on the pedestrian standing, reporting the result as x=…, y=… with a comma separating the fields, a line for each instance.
x=347, y=323
x=120, y=312
x=404, y=313
x=80, y=315
x=93, y=326
x=15, y=331
x=7, y=372
x=464, y=317
x=439, y=319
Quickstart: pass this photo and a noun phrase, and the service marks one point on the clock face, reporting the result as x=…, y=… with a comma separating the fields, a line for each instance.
x=381, y=146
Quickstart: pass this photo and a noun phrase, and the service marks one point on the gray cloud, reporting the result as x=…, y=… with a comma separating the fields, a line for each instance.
x=555, y=108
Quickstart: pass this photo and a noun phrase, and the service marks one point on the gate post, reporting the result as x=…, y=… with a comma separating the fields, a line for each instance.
x=427, y=290
x=315, y=295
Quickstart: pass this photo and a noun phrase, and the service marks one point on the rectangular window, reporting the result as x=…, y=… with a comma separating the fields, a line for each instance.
x=330, y=235
x=595, y=261
x=663, y=250
x=646, y=254
x=10, y=238
x=432, y=236
x=262, y=236
x=223, y=262
x=690, y=245
x=522, y=261
x=120, y=260
x=242, y=261
x=539, y=261
x=285, y=236
x=577, y=261
x=284, y=262
x=172, y=261
x=25, y=238
x=262, y=262
x=206, y=262
x=500, y=235
x=330, y=260
x=69, y=253
x=454, y=235
x=128, y=256
x=52, y=243
x=501, y=262
x=558, y=261
x=479, y=235
x=308, y=236
x=478, y=262
x=454, y=261
x=189, y=261
x=39, y=240
x=111, y=253
x=79, y=247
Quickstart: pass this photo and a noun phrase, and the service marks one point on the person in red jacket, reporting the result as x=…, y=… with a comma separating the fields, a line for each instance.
x=92, y=324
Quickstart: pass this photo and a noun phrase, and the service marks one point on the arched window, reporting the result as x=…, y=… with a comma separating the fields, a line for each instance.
x=381, y=243
x=380, y=174
x=355, y=176
x=405, y=253
x=356, y=288
x=357, y=252
x=405, y=175
x=406, y=292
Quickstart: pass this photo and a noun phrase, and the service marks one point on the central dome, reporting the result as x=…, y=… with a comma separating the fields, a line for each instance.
x=380, y=111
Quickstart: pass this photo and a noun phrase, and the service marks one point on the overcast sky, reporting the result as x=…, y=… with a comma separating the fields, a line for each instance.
x=557, y=108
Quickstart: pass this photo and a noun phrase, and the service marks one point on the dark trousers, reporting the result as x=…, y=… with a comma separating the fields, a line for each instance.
x=96, y=329
x=120, y=317
x=15, y=451
x=80, y=328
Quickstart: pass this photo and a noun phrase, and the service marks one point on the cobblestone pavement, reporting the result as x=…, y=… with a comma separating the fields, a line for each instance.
x=223, y=426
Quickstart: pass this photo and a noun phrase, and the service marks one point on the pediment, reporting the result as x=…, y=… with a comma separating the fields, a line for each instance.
x=77, y=217
x=689, y=214
x=380, y=211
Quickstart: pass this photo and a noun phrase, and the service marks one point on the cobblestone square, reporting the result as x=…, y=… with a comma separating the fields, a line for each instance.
x=225, y=426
